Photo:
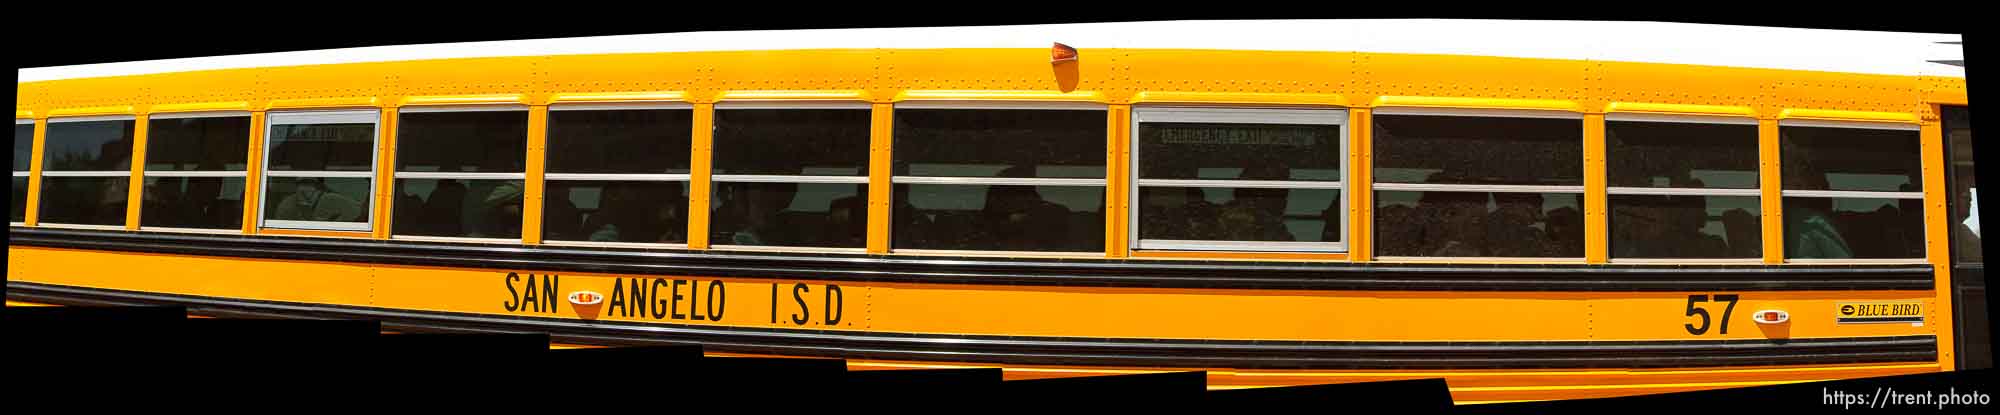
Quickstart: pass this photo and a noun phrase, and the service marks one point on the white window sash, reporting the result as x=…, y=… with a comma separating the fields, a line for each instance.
x=998, y=181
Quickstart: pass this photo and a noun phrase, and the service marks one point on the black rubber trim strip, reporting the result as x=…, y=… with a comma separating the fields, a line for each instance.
x=961, y=270
x=1078, y=351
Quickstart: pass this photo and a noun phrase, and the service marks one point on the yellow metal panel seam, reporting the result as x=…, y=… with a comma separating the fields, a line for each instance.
x=253, y=177
x=385, y=174
x=135, y=188
x=880, y=169
x=1772, y=203
x=1596, y=225
x=534, y=188
x=1362, y=209
x=698, y=175
x=1116, y=155
x=33, y=215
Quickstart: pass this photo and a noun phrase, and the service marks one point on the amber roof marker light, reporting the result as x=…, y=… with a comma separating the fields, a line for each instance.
x=1061, y=53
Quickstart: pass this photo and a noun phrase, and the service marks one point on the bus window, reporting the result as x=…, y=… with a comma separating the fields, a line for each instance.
x=1851, y=191
x=1683, y=187
x=460, y=173
x=319, y=170
x=1964, y=186
x=999, y=179
x=86, y=166
x=790, y=176
x=195, y=171
x=24, y=153
x=1241, y=179
x=1478, y=184
x=618, y=174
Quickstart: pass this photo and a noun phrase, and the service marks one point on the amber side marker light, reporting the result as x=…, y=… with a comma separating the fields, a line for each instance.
x=585, y=298
x=1771, y=316
x=1062, y=53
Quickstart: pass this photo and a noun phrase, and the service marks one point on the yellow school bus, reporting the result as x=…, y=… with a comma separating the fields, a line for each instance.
x=1530, y=210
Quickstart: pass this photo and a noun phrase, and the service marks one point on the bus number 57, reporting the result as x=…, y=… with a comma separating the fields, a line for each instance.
x=1694, y=309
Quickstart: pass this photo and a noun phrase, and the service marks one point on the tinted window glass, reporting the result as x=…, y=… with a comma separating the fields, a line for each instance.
x=1239, y=151
x=458, y=208
x=322, y=147
x=84, y=200
x=24, y=146
x=1240, y=214
x=620, y=141
x=830, y=142
x=1476, y=224
x=19, y=211
x=218, y=143
x=789, y=214
x=1686, y=155
x=1001, y=143
x=1823, y=158
x=487, y=142
x=1478, y=150
x=1648, y=226
x=317, y=199
x=1003, y=218
x=1818, y=227
x=85, y=146
x=193, y=202
x=601, y=211
x=1964, y=184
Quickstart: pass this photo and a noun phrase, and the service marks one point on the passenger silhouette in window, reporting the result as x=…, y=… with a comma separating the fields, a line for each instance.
x=1566, y=232
x=1811, y=229
x=750, y=214
x=1400, y=232
x=846, y=222
x=312, y=201
x=1455, y=220
x=560, y=217
x=499, y=213
x=1510, y=229
x=1257, y=214
x=1019, y=219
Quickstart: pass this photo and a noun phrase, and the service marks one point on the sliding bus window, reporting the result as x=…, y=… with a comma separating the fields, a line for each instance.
x=460, y=172
x=86, y=166
x=1473, y=183
x=790, y=175
x=24, y=153
x=1240, y=179
x=319, y=170
x=1852, y=190
x=195, y=171
x=618, y=174
x=1683, y=187
x=999, y=178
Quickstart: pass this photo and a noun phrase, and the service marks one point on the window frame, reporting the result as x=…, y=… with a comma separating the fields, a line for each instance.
x=894, y=180
x=551, y=176
x=784, y=178
x=27, y=171
x=395, y=174
x=272, y=119
x=1610, y=191
x=1338, y=117
x=150, y=173
x=127, y=174
x=1579, y=190
x=1855, y=194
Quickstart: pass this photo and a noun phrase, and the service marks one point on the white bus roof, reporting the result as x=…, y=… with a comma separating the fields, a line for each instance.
x=1888, y=53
